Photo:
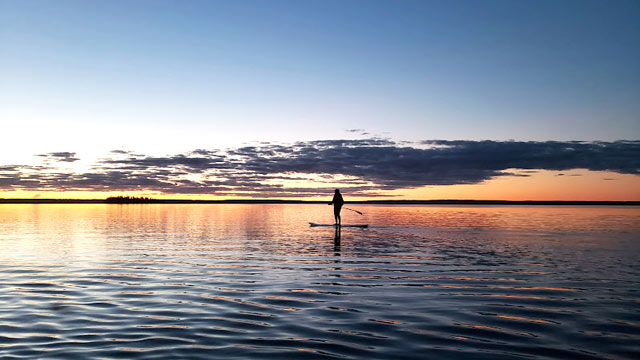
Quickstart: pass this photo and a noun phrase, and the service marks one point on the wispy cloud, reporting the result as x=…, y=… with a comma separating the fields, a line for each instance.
x=62, y=156
x=365, y=166
x=362, y=132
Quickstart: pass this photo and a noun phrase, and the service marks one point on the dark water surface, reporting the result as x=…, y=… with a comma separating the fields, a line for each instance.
x=255, y=281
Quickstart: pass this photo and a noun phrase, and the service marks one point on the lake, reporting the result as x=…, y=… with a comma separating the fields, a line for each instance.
x=156, y=281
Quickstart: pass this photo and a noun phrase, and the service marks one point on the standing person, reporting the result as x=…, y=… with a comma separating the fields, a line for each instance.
x=337, y=203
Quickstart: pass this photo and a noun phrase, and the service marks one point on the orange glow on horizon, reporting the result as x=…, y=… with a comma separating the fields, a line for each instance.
x=569, y=185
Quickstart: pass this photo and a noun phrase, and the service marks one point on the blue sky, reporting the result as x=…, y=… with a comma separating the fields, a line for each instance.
x=169, y=76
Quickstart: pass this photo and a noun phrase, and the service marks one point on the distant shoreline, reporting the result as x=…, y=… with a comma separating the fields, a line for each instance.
x=276, y=201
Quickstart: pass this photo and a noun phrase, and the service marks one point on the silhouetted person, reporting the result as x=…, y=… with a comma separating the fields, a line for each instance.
x=337, y=206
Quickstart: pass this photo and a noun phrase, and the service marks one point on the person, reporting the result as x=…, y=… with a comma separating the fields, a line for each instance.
x=337, y=203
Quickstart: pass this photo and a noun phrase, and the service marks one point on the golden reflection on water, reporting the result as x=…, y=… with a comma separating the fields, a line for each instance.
x=269, y=219
x=74, y=230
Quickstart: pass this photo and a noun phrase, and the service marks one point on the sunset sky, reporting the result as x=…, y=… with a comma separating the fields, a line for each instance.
x=510, y=100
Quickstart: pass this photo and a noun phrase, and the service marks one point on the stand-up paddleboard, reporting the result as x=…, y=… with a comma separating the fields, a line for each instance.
x=357, y=226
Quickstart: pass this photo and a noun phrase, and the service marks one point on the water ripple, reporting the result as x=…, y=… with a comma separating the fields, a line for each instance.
x=196, y=289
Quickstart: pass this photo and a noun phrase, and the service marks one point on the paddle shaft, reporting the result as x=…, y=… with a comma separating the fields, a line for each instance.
x=359, y=212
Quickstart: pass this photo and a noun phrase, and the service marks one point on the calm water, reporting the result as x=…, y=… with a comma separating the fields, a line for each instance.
x=255, y=281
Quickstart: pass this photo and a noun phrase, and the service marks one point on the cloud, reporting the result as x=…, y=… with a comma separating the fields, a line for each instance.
x=62, y=156
x=362, y=132
x=618, y=156
x=363, y=166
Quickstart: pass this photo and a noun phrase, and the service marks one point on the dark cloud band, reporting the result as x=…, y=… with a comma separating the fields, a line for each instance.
x=370, y=166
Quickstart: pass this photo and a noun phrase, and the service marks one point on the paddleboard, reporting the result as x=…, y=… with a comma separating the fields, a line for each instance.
x=353, y=225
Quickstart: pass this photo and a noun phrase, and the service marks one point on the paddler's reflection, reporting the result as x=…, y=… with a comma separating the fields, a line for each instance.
x=336, y=242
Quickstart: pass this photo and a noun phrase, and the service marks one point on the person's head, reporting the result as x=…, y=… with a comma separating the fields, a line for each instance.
x=337, y=191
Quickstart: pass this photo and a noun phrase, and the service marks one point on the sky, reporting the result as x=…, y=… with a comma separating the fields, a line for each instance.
x=289, y=99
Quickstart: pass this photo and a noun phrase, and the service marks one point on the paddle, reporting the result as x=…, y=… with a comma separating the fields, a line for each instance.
x=359, y=212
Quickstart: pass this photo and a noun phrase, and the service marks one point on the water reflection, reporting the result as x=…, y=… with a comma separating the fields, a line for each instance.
x=255, y=281
x=336, y=241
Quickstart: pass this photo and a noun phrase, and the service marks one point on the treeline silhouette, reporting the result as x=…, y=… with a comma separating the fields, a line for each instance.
x=129, y=199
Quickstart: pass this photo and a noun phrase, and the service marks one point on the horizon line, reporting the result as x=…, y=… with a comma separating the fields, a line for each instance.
x=287, y=201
